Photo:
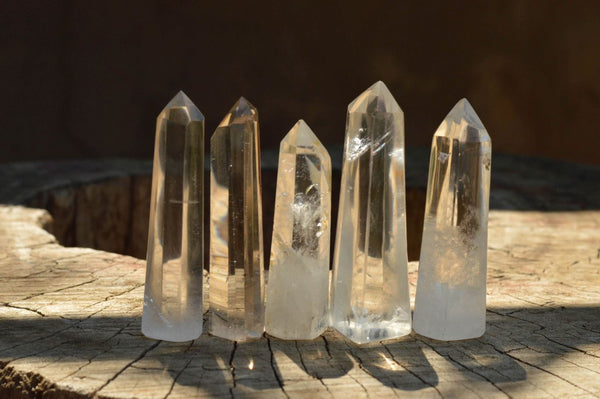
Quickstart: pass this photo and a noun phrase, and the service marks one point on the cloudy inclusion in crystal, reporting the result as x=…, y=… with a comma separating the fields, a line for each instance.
x=450, y=301
x=298, y=289
x=236, y=293
x=370, y=299
x=173, y=291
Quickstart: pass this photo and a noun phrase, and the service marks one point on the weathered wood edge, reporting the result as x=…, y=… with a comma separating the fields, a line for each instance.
x=518, y=182
x=71, y=328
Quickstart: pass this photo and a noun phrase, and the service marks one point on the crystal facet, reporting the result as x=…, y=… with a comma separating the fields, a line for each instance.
x=450, y=302
x=236, y=293
x=173, y=292
x=370, y=299
x=298, y=289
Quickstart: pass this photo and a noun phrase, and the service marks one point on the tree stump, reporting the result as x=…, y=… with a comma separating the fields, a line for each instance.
x=70, y=316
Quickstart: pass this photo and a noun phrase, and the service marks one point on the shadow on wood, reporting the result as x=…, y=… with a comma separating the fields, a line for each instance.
x=70, y=317
x=96, y=346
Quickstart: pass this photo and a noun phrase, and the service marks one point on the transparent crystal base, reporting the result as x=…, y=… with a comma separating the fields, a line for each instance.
x=230, y=330
x=450, y=313
x=156, y=326
x=286, y=334
x=435, y=333
x=298, y=298
x=372, y=329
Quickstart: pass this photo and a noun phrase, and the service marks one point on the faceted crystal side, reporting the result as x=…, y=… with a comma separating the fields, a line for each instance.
x=298, y=289
x=236, y=293
x=450, y=301
x=173, y=292
x=370, y=299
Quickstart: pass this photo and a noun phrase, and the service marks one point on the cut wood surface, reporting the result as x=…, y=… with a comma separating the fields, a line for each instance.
x=70, y=322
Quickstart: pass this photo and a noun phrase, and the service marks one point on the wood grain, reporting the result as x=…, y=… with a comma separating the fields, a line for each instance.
x=70, y=322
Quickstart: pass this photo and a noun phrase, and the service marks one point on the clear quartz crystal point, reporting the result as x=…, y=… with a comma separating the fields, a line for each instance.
x=236, y=293
x=298, y=289
x=450, y=301
x=173, y=292
x=370, y=299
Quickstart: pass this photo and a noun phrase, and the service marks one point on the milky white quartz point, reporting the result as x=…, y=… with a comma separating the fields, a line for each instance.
x=236, y=283
x=173, y=292
x=370, y=299
x=298, y=288
x=450, y=302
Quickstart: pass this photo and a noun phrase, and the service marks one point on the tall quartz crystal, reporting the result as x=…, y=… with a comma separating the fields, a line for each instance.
x=370, y=299
x=236, y=293
x=450, y=302
x=298, y=289
x=173, y=292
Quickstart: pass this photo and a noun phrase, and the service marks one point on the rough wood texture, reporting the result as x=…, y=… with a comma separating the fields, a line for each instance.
x=70, y=320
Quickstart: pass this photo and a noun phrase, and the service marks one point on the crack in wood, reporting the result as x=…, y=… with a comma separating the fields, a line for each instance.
x=410, y=371
x=526, y=325
x=360, y=367
x=542, y=369
x=274, y=368
x=180, y=371
x=59, y=290
x=114, y=377
x=8, y=305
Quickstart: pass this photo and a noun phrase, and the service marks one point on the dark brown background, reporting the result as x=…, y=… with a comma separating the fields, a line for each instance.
x=87, y=79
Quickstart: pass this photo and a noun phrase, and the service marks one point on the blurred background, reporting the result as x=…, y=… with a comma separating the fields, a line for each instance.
x=87, y=79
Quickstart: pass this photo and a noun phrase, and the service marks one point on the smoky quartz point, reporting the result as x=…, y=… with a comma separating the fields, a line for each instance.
x=236, y=283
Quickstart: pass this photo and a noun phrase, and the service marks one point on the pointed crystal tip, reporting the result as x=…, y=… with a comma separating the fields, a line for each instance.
x=464, y=110
x=242, y=108
x=301, y=135
x=376, y=98
x=181, y=100
x=241, y=112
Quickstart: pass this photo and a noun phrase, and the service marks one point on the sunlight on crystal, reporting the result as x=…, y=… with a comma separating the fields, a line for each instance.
x=450, y=299
x=357, y=146
x=297, y=298
x=236, y=295
x=173, y=290
x=370, y=300
x=251, y=364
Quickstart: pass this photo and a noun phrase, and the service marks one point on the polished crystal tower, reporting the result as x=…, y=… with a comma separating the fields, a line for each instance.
x=173, y=292
x=450, y=302
x=298, y=289
x=370, y=299
x=236, y=293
